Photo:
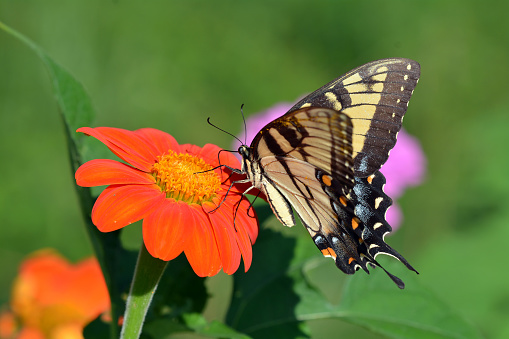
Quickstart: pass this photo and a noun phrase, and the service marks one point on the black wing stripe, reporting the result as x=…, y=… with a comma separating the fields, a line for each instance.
x=318, y=136
x=379, y=90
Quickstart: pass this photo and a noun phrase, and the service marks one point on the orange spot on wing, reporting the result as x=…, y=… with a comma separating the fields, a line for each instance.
x=329, y=252
x=370, y=179
x=327, y=180
x=343, y=200
x=350, y=260
x=355, y=222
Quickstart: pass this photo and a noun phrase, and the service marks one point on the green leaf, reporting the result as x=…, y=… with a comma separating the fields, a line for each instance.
x=214, y=329
x=280, y=277
x=191, y=323
x=414, y=312
x=264, y=298
x=77, y=111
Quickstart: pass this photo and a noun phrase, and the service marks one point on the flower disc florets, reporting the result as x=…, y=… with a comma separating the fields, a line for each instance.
x=184, y=177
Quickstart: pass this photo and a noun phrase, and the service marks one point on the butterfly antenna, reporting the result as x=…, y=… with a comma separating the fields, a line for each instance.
x=222, y=130
x=245, y=127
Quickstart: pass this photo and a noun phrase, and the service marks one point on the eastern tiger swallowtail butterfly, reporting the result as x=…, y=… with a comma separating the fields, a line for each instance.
x=323, y=158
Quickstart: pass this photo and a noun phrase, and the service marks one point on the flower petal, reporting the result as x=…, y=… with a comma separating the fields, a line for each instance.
x=7, y=324
x=30, y=333
x=201, y=249
x=110, y=172
x=226, y=158
x=247, y=231
x=249, y=219
x=87, y=276
x=209, y=153
x=160, y=141
x=406, y=165
x=166, y=230
x=250, y=223
x=226, y=239
x=121, y=205
x=129, y=146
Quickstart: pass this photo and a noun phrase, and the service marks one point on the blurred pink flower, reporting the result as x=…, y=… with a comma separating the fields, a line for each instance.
x=405, y=167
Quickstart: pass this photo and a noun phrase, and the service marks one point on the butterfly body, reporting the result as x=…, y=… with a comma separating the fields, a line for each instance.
x=322, y=158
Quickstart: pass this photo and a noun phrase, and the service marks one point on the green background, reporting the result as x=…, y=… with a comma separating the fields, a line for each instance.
x=170, y=65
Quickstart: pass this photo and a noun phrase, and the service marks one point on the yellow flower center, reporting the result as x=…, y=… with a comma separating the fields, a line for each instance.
x=176, y=174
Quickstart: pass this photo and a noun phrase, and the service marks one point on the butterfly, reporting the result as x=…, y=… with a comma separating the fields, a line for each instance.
x=323, y=157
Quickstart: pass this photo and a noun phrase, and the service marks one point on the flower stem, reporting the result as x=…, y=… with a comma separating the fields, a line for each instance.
x=147, y=274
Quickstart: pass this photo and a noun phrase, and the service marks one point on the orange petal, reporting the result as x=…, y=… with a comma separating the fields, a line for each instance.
x=7, y=324
x=226, y=158
x=166, y=229
x=244, y=226
x=121, y=205
x=30, y=333
x=248, y=219
x=209, y=153
x=48, y=292
x=201, y=249
x=129, y=146
x=110, y=172
x=160, y=141
x=226, y=239
x=87, y=276
x=34, y=287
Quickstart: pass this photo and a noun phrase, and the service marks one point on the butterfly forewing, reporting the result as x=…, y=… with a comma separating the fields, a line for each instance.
x=321, y=137
x=375, y=96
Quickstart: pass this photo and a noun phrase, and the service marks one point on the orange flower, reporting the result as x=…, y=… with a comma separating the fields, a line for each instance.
x=178, y=205
x=48, y=296
x=7, y=324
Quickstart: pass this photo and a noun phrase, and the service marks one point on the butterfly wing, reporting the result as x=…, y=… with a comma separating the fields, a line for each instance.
x=348, y=228
x=319, y=136
x=305, y=161
x=304, y=190
x=371, y=205
x=375, y=96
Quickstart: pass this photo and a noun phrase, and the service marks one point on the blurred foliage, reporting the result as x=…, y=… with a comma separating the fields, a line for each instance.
x=170, y=65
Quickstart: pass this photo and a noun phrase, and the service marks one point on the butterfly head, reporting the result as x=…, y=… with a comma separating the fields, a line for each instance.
x=245, y=151
x=248, y=166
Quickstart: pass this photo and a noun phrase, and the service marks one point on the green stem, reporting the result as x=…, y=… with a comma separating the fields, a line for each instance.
x=147, y=274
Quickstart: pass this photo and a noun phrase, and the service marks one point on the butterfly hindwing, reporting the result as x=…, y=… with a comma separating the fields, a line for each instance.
x=312, y=193
x=375, y=96
x=371, y=205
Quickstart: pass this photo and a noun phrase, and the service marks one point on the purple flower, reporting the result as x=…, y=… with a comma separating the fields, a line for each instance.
x=405, y=167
